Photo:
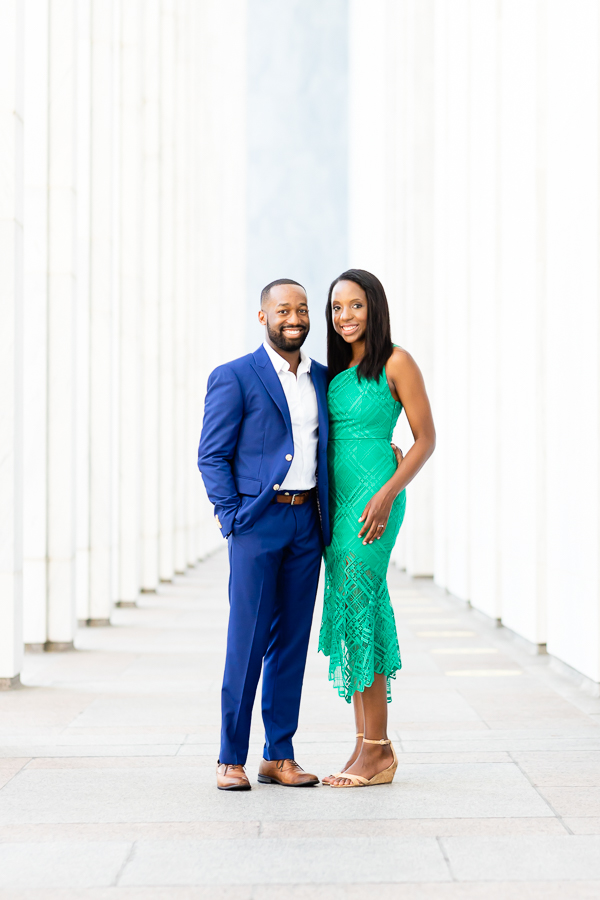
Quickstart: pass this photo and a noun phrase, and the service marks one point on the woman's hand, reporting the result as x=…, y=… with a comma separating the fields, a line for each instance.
x=375, y=516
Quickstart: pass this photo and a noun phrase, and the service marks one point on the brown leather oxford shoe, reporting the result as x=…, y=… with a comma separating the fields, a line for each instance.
x=286, y=772
x=232, y=778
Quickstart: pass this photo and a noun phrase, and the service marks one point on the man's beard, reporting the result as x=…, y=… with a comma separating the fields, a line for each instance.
x=278, y=338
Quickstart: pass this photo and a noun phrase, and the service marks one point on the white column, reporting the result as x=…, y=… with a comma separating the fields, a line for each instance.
x=130, y=265
x=202, y=244
x=367, y=136
x=35, y=300
x=61, y=322
x=82, y=315
x=11, y=343
x=230, y=63
x=485, y=424
x=399, y=269
x=521, y=447
x=192, y=405
x=219, y=231
x=101, y=314
x=441, y=224
x=115, y=232
x=418, y=294
x=571, y=440
x=180, y=305
x=451, y=382
x=150, y=231
x=167, y=287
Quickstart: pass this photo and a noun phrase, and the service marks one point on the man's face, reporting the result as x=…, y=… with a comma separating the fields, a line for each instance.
x=285, y=315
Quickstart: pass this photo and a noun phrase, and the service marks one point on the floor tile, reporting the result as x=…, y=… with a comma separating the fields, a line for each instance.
x=524, y=858
x=344, y=828
x=62, y=864
x=285, y=861
x=562, y=773
x=583, y=825
x=573, y=801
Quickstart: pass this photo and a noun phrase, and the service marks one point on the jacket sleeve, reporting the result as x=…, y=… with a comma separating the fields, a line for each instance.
x=223, y=412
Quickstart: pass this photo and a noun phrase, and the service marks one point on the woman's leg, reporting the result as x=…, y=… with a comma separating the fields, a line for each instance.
x=373, y=758
x=359, y=722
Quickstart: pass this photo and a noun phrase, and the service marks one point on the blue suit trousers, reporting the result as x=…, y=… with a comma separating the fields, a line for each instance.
x=274, y=573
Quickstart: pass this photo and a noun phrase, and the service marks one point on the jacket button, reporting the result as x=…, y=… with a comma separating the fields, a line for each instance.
x=275, y=487
x=289, y=457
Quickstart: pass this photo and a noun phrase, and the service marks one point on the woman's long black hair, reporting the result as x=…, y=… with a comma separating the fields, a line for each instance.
x=378, y=338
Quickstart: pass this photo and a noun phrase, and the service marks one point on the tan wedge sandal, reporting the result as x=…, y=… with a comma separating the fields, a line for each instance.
x=329, y=778
x=384, y=777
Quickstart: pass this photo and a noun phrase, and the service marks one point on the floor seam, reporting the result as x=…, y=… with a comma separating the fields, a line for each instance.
x=539, y=793
x=440, y=844
x=18, y=772
x=126, y=862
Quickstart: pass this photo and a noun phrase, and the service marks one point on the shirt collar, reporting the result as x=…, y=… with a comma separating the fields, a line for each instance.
x=282, y=365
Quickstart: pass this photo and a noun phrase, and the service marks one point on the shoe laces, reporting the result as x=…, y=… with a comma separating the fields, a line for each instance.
x=292, y=762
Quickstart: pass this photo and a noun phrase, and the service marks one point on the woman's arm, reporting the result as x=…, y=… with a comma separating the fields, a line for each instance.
x=407, y=385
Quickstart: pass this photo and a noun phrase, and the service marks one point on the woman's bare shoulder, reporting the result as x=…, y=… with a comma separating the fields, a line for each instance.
x=400, y=360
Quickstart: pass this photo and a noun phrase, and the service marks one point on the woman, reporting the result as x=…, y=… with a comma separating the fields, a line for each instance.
x=371, y=380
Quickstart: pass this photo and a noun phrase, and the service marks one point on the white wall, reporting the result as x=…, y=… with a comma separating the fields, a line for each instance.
x=124, y=122
x=492, y=275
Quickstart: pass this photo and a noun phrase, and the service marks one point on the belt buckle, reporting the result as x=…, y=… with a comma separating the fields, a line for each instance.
x=293, y=499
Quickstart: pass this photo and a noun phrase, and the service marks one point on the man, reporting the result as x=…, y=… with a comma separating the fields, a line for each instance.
x=263, y=460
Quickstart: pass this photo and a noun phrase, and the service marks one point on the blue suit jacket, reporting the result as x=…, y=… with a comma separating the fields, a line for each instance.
x=246, y=436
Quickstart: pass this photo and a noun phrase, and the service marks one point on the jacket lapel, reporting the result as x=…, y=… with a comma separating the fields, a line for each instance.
x=267, y=374
x=321, y=392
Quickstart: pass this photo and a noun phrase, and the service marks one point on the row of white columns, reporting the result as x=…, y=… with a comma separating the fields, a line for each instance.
x=474, y=195
x=121, y=276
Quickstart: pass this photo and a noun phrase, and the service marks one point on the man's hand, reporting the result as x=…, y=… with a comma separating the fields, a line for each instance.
x=377, y=511
x=398, y=453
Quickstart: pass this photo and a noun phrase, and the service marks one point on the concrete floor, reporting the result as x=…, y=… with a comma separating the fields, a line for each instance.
x=108, y=754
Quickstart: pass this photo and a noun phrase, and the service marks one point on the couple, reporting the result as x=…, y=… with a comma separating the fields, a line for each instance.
x=296, y=459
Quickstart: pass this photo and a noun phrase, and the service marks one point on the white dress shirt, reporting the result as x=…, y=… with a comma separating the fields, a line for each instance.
x=302, y=402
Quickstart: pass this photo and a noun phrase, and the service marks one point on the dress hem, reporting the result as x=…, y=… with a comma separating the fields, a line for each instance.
x=348, y=697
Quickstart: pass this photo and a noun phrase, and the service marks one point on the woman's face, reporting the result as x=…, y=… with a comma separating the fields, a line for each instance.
x=349, y=311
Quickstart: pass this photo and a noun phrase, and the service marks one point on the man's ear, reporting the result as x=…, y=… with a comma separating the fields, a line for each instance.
x=262, y=317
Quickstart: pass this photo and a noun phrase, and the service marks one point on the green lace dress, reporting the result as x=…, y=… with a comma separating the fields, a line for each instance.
x=358, y=630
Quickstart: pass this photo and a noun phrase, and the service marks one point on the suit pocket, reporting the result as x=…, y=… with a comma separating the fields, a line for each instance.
x=251, y=487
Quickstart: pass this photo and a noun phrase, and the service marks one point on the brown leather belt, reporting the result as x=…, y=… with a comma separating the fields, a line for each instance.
x=296, y=499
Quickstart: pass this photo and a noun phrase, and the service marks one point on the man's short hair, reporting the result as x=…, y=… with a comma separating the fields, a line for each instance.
x=264, y=294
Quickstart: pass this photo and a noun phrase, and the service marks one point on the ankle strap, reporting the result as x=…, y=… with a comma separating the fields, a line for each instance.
x=360, y=734
x=367, y=741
